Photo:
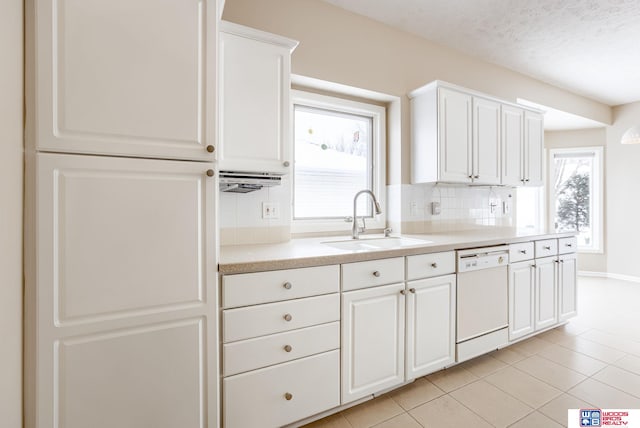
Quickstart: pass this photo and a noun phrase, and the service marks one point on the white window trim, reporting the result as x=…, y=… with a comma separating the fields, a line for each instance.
x=597, y=196
x=378, y=115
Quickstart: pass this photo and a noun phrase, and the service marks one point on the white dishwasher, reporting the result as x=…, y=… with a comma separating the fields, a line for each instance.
x=482, y=301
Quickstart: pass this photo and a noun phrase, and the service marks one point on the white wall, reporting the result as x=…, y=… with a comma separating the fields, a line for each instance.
x=585, y=138
x=11, y=176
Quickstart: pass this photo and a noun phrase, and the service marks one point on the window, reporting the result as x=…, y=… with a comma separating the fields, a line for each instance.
x=338, y=151
x=575, y=194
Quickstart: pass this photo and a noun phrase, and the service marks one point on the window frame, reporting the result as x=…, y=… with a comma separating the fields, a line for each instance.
x=377, y=114
x=596, y=198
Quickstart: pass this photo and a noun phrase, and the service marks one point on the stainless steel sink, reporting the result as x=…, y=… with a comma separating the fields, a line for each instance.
x=373, y=244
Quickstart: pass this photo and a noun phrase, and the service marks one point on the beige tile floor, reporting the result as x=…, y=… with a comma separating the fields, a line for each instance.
x=593, y=361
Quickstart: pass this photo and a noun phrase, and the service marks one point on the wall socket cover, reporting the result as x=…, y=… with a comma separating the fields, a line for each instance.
x=270, y=210
x=435, y=208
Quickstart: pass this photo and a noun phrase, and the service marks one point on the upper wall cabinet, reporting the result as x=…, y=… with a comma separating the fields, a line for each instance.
x=121, y=77
x=459, y=136
x=255, y=110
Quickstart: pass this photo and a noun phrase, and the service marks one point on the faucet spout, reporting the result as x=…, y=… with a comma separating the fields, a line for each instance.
x=355, y=231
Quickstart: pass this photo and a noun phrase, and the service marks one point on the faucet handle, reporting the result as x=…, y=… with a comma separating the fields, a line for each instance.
x=387, y=231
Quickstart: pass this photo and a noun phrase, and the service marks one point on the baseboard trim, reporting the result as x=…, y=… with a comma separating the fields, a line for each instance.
x=619, y=276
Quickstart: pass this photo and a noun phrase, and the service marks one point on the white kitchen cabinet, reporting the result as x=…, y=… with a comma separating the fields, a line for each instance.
x=255, y=110
x=455, y=136
x=373, y=340
x=430, y=339
x=534, y=146
x=567, y=286
x=521, y=299
x=546, y=308
x=124, y=78
x=512, y=145
x=486, y=142
x=121, y=296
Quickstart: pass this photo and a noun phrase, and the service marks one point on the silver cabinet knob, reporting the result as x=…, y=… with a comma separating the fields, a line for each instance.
x=403, y=292
x=569, y=245
x=523, y=251
x=470, y=176
x=288, y=348
x=287, y=285
x=210, y=148
x=376, y=274
x=210, y=173
x=476, y=176
x=434, y=265
x=413, y=290
x=288, y=317
x=547, y=247
x=286, y=163
x=288, y=396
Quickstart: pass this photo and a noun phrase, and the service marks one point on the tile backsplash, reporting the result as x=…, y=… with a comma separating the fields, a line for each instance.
x=408, y=211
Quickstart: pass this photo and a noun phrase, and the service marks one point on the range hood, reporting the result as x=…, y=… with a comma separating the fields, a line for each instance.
x=245, y=182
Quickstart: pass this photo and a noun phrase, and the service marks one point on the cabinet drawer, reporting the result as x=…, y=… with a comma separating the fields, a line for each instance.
x=372, y=273
x=428, y=265
x=520, y=252
x=282, y=394
x=567, y=245
x=251, y=354
x=547, y=247
x=253, y=321
x=263, y=287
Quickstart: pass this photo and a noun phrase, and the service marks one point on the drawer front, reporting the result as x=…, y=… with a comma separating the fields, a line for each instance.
x=520, y=252
x=251, y=354
x=254, y=321
x=547, y=247
x=372, y=273
x=428, y=265
x=567, y=245
x=263, y=287
x=282, y=394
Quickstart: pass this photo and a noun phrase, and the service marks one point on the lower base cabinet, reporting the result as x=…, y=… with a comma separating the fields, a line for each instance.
x=546, y=313
x=521, y=299
x=567, y=287
x=282, y=394
x=372, y=340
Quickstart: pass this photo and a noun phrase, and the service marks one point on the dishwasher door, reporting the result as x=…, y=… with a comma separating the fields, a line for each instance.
x=482, y=302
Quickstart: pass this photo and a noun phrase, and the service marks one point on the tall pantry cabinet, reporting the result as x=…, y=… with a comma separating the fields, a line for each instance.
x=120, y=241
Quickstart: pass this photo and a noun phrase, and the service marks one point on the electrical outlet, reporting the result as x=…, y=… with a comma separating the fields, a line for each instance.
x=506, y=207
x=435, y=208
x=270, y=210
x=413, y=209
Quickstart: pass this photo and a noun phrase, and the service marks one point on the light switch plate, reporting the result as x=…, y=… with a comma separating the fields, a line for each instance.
x=435, y=208
x=270, y=210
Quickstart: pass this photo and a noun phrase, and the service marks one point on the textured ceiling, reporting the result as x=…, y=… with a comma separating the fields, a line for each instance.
x=590, y=47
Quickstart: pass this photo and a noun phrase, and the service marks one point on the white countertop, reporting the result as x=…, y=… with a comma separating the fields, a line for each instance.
x=306, y=252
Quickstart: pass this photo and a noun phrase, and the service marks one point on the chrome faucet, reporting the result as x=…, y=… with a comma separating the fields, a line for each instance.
x=355, y=230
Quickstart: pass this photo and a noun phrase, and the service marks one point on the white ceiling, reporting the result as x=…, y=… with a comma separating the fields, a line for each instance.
x=590, y=47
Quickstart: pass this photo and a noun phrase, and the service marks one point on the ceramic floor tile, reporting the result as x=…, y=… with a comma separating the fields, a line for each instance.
x=630, y=363
x=453, y=378
x=333, y=421
x=530, y=346
x=484, y=365
x=401, y=421
x=493, y=405
x=574, y=360
x=508, y=355
x=620, y=379
x=419, y=392
x=595, y=350
x=557, y=408
x=372, y=412
x=613, y=341
x=552, y=373
x=604, y=396
x=445, y=412
x=524, y=387
x=536, y=420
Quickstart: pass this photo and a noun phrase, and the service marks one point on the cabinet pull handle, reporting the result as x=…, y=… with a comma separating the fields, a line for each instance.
x=476, y=176
x=288, y=317
x=210, y=148
x=287, y=285
x=288, y=396
x=287, y=348
x=526, y=180
x=403, y=292
x=376, y=274
x=523, y=251
x=434, y=265
x=413, y=290
x=569, y=245
x=210, y=173
x=470, y=176
x=547, y=247
x=286, y=163
x=561, y=261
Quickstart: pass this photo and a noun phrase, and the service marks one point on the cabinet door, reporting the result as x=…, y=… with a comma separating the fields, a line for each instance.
x=254, y=102
x=521, y=299
x=486, y=141
x=121, y=77
x=512, y=125
x=455, y=136
x=567, y=283
x=546, y=293
x=125, y=294
x=372, y=340
x=534, y=147
x=431, y=332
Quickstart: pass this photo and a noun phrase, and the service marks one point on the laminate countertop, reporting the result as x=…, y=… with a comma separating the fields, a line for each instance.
x=306, y=252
